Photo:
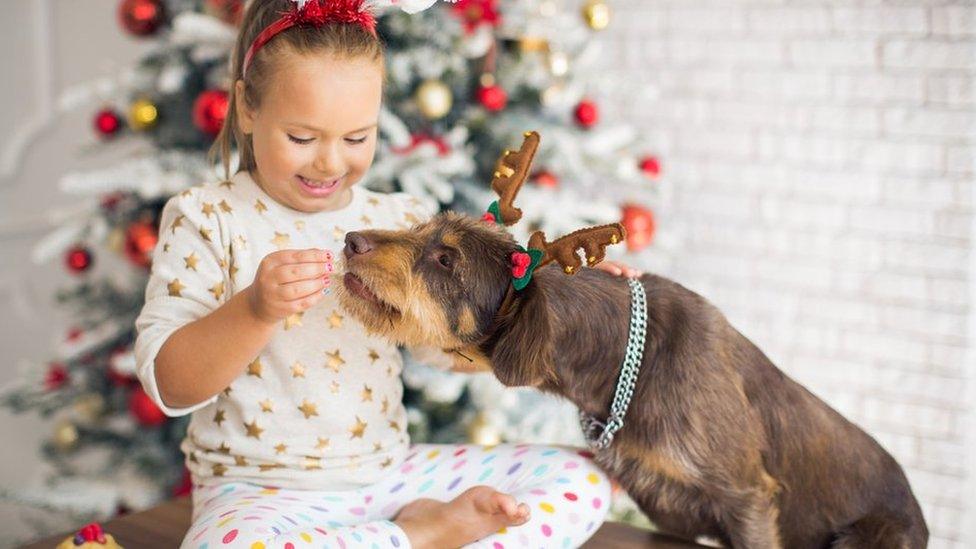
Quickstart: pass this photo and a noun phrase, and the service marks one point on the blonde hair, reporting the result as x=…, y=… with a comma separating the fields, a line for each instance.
x=348, y=41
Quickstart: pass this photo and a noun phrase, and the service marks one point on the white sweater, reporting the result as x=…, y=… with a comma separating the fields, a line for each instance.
x=320, y=406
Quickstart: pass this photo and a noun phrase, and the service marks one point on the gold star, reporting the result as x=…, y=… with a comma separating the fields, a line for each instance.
x=358, y=429
x=225, y=207
x=300, y=224
x=323, y=444
x=367, y=394
x=259, y=206
x=334, y=387
x=232, y=271
x=410, y=218
x=308, y=408
x=224, y=449
x=280, y=448
x=281, y=240
x=338, y=233
x=219, y=417
x=386, y=463
x=193, y=457
x=241, y=241
x=219, y=469
x=166, y=247
x=178, y=222
x=269, y=466
x=175, y=287
x=297, y=369
x=227, y=183
x=394, y=425
x=254, y=368
x=226, y=392
x=386, y=405
x=186, y=193
x=207, y=209
x=293, y=320
x=389, y=371
x=377, y=446
x=335, y=360
x=253, y=430
x=366, y=220
x=335, y=320
x=191, y=261
x=267, y=405
x=205, y=233
x=240, y=461
x=372, y=201
x=312, y=462
x=373, y=356
x=413, y=201
x=217, y=290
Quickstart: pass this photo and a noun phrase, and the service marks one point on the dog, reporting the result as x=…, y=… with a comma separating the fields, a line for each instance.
x=717, y=440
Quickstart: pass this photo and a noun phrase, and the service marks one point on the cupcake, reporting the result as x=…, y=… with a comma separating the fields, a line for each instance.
x=90, y=536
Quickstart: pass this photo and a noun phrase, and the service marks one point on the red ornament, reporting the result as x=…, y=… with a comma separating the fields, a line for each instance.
x=140, y=239
x=419, y=139
x=651, y=167
x=210, y=111
x=185, y=486
x=520, y=264
x=640, y=225
x=107, y=123
x=474, y=13
x=56, y=376
x=141, y=17
x=228, y=11
x=494, y=97
x=78, y=259
x=587, y=114
x=74, y=334
x=144, y=409
x=111, y=200
x=545, y=178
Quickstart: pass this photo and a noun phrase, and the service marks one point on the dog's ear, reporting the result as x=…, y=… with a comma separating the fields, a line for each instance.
x=521, y=347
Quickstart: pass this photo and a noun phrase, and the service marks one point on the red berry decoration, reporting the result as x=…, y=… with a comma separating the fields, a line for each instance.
x=210, y=111
x=488, y=217
x=107, y=123
x=494, y=97
x=56, y=376
x=651, y=167
x=587, y=114
x=141, y=17
x=78, y=259
x=140, y=239
x=520, y=264
x=640, y=225
x=144, y=409
x=547, y=179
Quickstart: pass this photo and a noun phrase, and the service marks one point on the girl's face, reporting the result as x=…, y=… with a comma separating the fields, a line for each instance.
x=314, y=133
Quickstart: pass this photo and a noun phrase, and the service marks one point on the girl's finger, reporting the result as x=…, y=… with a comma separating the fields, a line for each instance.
x=292, y=272
x=294, y=291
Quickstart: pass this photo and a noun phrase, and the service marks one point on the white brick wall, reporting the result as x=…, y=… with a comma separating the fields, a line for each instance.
x=820, y=157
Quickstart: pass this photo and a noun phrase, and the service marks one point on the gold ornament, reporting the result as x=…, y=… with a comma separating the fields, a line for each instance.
x=90, y=407
x=65, y=436
x=481, y=431
x=434, y=99
x=597, y=14
x=143, y=114
x=529, y=44
x=558, y=63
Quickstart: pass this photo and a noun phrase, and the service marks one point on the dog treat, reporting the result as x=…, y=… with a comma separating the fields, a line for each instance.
x=90, y=536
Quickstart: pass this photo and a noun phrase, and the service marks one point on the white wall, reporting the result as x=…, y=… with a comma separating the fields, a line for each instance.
x=821, y=156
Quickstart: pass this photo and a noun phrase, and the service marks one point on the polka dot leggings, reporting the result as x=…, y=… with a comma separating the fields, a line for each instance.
x=567, y=494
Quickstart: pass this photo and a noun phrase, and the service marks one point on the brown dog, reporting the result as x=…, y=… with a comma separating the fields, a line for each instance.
x=717, y=440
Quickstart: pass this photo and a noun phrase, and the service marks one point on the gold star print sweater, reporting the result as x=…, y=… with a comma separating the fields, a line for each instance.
x=320, y=406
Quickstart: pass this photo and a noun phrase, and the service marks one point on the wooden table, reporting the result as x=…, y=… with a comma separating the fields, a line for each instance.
x=163, y=527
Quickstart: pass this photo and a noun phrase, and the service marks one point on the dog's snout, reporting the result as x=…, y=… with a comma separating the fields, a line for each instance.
x=356, y=244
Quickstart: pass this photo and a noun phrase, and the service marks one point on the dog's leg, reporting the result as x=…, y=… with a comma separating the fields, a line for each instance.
x=750, y=519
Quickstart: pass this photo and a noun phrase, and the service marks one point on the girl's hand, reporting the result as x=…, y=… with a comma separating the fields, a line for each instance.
x=618, y=269
x=289, y=282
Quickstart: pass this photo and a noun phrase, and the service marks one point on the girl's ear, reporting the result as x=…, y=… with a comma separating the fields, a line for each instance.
x=245, y=118
x=522, y=354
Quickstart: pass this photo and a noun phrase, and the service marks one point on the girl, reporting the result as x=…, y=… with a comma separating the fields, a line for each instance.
x=298, y=434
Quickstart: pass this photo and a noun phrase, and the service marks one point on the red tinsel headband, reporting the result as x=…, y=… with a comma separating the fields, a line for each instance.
x=315, y=13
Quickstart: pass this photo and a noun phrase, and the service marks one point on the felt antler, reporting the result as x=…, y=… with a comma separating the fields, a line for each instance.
x=593, y=241
x=510, y=172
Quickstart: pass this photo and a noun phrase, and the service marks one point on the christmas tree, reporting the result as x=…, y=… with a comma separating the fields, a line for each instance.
x=465, y=80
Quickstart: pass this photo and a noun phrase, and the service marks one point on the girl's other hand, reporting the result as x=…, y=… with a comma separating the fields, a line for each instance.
x=289, y=282
x=618, y=269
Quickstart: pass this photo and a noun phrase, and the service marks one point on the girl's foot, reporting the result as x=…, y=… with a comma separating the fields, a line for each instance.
x=476, y=513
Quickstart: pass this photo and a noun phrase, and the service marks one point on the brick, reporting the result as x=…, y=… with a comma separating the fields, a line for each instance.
x=705, y=21
x=903, y=158
x=914, y=122
x=886, y=20
x=919, y=54
x=952, y=90
x=954, y=21
x=788, y=21
x=834, y=53
x=875, y=89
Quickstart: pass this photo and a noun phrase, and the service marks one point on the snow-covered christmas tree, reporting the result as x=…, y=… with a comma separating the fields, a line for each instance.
x=466, y=79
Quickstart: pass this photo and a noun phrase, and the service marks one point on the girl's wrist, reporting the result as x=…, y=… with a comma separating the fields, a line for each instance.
x=252, y=309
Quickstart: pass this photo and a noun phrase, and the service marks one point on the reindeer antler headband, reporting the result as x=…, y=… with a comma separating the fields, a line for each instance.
x=511, y=171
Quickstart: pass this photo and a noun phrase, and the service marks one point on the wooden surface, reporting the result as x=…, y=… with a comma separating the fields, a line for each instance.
x=163, y=527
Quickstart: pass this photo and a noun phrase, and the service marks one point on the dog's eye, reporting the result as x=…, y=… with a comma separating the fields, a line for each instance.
x=445, y=260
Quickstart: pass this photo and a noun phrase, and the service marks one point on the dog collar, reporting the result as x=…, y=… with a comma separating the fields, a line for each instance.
x=600, y=434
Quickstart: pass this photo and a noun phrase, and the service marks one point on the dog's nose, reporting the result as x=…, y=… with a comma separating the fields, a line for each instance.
x=356, y=244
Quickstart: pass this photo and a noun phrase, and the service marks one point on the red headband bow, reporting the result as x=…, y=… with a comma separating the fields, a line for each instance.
x=315, y=13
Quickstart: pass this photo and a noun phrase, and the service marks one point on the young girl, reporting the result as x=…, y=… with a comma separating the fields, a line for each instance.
x=298, y=434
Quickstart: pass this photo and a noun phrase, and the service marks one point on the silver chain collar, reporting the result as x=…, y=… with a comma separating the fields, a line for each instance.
x=600, y=434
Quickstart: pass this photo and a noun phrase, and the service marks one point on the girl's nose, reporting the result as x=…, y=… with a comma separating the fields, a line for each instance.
x=328, y=161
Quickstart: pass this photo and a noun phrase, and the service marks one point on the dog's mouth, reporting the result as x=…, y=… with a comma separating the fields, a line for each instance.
x=358, y=287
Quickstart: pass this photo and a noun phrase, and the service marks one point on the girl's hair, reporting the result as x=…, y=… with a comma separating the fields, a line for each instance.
x=349, y=41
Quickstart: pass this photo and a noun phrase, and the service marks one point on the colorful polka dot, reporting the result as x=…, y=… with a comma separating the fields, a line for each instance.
x=305, y=537
x=229, y=536
x=593, y=478
x=570, y=496
x=257, y=545
x=546, y=530
x=547, y=507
